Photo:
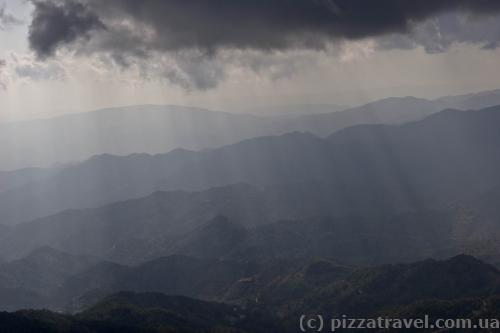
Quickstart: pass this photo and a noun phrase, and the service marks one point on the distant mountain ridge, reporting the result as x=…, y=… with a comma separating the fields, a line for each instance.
x=472, y=101
x=157, y=129
x=294, y=110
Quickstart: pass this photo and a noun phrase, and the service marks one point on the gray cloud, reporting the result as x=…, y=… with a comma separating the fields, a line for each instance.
x=6, y=19
x=40, y=72
x=129, y=31
x=200, y=74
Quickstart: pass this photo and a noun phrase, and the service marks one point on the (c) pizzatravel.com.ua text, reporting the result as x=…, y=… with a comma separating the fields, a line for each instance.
x=319, y=323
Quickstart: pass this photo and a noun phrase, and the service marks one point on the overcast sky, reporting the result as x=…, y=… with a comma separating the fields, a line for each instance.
x=62, y=56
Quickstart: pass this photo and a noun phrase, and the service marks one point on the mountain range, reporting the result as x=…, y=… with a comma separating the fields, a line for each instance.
x=158, y=129
x=367, y=170
x=271, y=293
x=388, y=209
x=126, y=237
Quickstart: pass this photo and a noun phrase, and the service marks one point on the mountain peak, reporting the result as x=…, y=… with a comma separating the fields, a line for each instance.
x=467, y=263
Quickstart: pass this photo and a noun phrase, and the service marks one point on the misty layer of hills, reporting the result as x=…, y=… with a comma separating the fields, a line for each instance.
x=157, y=129
x=366, y=170
x=334, y=213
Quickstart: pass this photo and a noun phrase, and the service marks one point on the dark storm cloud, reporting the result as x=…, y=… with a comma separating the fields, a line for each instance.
x=210, y=25
x=139, y=32
x=58, y=23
